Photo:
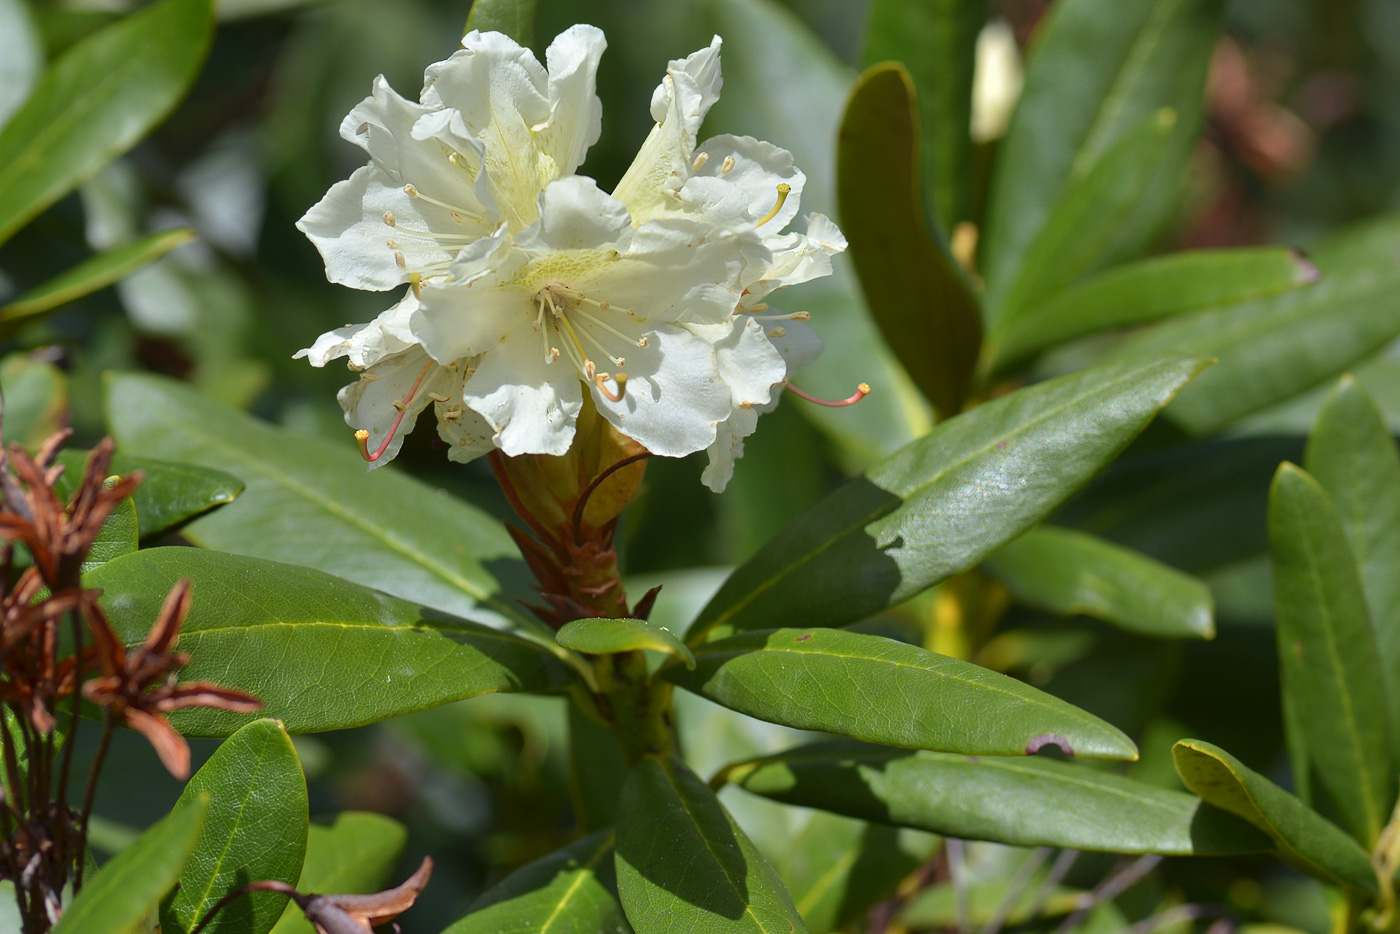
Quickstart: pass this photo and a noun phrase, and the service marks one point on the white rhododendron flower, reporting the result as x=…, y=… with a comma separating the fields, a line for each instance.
x=528, y=286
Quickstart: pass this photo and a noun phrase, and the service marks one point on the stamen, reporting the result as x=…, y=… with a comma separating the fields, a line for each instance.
x=620, y=379
x=784, y=189
x=362, y=435
x=759, y=308
x=861, y=392
x=700, y=161
x=400, y=261
x=791, y=316
x=413, y=192
x=391, y=243
x=599, y=322
x=726, y=165
x=389, y=219
x=777, y=332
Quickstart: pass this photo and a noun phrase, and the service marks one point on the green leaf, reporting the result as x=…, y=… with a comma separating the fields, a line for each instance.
x=882, y=691
x=170, y=494
x=765, y=47
x=310, y=502
x=1303, y=837
x=837, y=869
x=1093, y=75
x=93, y=273
x=125, y=891
x=684, y=864
x=1328, y=655
x=947, y=501
x=1067, y=572
x=322, y=653
x=36, y=400
x=605, y=636
x=118, y=537
x=596, y=759
x=21, y=55
x=1353, y=458
x=937, y=41
x=1277, y=347
x=570, y=891
x=515, y=18
x=96, y=102
x=352, y=856
x=1149, y=290
x=256, y=829
x=915, y=290
x=1019, y=802
x=1087, y=222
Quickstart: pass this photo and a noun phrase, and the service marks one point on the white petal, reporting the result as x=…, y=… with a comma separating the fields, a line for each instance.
x=756, y=169
x=728, y=448
x=365, y=344
x=478, y=308
x=796, y=258
x=576, y=117
x=671, y=272
x=749, y=364
x=530, y=405
x=799, y=345
x=369, y=403
x=674, y=397
x=576, y=215
x=663, y=165
x=467, y=434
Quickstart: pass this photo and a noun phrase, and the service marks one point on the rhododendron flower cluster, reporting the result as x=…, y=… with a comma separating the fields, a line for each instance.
x=529, y=287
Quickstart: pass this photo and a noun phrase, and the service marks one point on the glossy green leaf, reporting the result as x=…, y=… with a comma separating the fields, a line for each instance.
x=1087, y=223
x=310, y=502
x=170, y=493
x=1020, y=802
x=571, y=891
x=605, y=636
x=118, y=537
x=21, y=55
x=36, y=400
x=882, y=691
x=256, y=829
x=125, y=891
x=1149, y=290
x=837, y=869
x=322, y=653
x=937, y=41
x=515, y=18
x=351, y=856
x=765, y=47
x=1303, y=837
x=946, y=501
x=1274, y=348
x=1353, y=458
x=96, y=272
x=1328, y=654
x=1066, y=572
x=596, y=759
x=916, y=292
x=96, y=102
x=684, y=864
x=1090, y=80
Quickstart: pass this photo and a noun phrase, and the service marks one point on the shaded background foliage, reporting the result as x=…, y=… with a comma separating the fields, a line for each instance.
x=1302, y=137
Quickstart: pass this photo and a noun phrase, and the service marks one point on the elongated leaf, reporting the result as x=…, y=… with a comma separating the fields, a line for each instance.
x=937, y=41
x=595, y=760
x=96, y=272
x=21, y=55
x=1090, y=78
x=310, y=502
x=321, y=653
x=256, y=829
x=946, y=501
x=1152, y=289
x=766, y=46
x=170, y=494
x=837, y=869
x=1019, y=802
x=1066, y=572
x=128, y=888
x=1087, y=222
x=95, y=102
x=1328, y=654
x=604, y=636
x=882, y=691
x=515, y=18
x=572, y=891
x=1304, y=837
x=683, y=864
x=351, y=856
x=36, y=400
x=915, y=289
x=1277, y=347
x=1352, y=456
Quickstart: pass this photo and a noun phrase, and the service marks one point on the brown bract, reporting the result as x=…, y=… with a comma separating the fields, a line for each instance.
x=139, y=686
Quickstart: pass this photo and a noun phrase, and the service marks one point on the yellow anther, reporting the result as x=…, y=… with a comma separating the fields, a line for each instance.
x=726, y=165
x=700, y=161
x=391, y=243
x=777, y=332
x=400, y=261
x=410, y=191
x=784, y=189
x=389, y=218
